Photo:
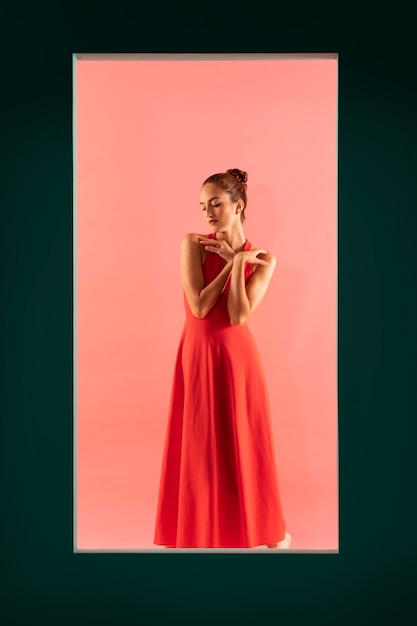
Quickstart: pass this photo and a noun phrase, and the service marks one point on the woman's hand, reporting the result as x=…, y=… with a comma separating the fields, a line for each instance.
x=221, y=248
x=251, y=256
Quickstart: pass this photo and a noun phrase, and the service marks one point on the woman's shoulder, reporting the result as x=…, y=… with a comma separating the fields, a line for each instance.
x=193, y=237
x=267, y=256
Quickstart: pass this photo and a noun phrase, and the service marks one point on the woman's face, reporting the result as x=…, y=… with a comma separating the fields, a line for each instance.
x=219, y=211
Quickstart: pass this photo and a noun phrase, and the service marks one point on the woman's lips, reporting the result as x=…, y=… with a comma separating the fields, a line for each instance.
x=213, y=222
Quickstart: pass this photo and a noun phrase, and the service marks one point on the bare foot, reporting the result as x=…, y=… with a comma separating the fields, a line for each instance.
x=285, y=543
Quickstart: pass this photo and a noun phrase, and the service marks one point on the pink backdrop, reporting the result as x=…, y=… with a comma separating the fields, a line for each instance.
x=147, y=134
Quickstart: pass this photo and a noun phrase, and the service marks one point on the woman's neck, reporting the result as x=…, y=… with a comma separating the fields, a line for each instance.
x=235, y=238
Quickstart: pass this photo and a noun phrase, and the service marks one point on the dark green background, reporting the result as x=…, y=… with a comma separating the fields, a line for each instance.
x=371, y=580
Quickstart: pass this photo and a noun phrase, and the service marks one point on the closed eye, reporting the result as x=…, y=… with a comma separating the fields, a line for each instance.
x=213, y=206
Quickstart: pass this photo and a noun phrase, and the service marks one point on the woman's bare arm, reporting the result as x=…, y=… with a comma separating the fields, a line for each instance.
x=244, y=299
x=201, y=298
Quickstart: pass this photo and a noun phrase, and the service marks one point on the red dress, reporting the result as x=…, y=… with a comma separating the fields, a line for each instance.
x=218, y=486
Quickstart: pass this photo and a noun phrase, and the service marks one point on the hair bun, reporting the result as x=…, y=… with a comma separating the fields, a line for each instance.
x=239, y=174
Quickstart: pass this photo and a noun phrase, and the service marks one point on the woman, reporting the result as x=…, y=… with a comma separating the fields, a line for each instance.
x=219, y=485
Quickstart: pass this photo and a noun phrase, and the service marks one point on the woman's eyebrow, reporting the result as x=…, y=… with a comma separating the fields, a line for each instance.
x=213, y=198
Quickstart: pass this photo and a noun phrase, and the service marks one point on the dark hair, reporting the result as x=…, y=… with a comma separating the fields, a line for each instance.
x=234, y=182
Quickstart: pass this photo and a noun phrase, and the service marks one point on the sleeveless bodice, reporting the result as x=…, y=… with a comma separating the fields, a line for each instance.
x=212, y=266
